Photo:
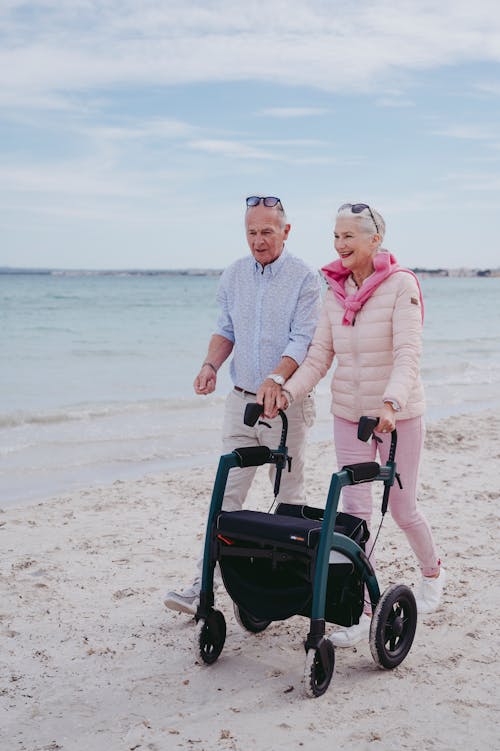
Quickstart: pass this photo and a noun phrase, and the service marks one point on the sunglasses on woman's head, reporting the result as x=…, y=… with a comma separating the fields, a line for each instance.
x=357, y=208
x=269, y=201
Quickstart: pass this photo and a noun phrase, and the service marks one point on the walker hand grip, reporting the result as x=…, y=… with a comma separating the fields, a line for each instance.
x=366, y=426
x=362, y=472
x=252, y=413
x=253, y=456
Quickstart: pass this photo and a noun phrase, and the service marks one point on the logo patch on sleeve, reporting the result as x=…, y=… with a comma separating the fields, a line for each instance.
x=414, y=301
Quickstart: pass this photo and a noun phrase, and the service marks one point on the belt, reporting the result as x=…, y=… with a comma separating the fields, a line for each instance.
x=244, y=391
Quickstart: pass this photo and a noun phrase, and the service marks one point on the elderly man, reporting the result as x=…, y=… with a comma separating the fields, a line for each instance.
x=269, y=306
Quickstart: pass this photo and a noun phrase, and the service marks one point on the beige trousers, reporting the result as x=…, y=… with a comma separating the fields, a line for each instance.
x=236, y=434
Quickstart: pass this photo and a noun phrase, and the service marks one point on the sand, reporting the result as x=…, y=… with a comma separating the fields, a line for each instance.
x=90, y=659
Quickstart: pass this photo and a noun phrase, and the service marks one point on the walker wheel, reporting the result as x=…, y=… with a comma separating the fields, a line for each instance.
x=249, y=622
x=393, y=626
x=318, y=670
x=210, y=636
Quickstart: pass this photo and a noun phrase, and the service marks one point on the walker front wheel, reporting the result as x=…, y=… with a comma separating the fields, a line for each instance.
x=318, y=670
x=210, y=636
x=393, y=626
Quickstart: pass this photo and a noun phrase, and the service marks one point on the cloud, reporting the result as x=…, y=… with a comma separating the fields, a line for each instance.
x=394, y=102
x=488, y=87
x=168, y=129
x=290, y=112
x=75, y=178
x=283, y=150
x=51, y=47
x=232, y=149
x=97, y=127
x=476, y=182
x=470, y=132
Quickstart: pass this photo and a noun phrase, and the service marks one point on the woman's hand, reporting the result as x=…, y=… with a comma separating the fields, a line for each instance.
x=269, y=394
x=386, y=419
x=284, y=400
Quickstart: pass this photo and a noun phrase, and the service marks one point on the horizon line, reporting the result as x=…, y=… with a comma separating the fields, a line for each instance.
x=187, y=270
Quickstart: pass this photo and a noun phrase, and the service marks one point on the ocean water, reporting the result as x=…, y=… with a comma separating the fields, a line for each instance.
x=97, y=370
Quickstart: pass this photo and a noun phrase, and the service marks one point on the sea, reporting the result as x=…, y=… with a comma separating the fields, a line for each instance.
x=97, y=370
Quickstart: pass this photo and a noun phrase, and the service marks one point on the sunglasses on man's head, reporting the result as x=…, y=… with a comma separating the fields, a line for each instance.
x=269, y=201
x=357, y=208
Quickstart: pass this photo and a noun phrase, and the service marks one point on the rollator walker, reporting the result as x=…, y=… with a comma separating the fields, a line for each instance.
x=303, y=561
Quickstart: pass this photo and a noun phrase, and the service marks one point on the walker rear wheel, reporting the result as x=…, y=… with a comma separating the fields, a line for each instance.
x=393, y=626
x=249, y=622
x=210, y=636
x=318, y=670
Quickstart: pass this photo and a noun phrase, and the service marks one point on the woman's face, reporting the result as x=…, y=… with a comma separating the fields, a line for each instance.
x=355, y=247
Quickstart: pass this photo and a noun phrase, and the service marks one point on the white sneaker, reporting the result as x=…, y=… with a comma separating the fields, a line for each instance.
x=186, y=601
x=351, y=635
x=429, y=592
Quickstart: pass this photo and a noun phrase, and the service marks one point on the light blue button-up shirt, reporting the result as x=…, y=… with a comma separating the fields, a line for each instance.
x=267, y=312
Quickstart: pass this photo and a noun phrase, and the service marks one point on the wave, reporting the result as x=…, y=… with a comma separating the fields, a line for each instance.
x=460, y=373
x=86, y=412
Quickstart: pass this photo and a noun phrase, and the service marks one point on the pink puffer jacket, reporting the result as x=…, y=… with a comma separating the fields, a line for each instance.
x=378, y=357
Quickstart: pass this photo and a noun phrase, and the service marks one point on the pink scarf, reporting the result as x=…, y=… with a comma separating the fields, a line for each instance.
x=384, y=264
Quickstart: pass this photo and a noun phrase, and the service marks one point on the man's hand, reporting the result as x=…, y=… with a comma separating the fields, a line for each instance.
x=219, y=349
x=206, y=380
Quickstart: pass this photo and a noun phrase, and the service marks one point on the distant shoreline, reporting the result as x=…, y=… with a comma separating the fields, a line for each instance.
x=7, y=271
x=423, y=273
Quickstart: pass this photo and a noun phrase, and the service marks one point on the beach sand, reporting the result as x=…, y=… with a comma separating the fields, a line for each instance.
x=90, y=659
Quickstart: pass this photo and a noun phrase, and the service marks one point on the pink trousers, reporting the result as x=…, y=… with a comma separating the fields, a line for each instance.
x=357, y=499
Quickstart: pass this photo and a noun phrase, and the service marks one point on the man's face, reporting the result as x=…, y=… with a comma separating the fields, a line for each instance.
x=266, y=233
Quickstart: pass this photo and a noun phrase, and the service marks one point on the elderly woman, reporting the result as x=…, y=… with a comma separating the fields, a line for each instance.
x=371, y=322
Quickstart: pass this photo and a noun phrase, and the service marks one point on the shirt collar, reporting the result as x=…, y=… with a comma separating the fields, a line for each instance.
x=274, y=267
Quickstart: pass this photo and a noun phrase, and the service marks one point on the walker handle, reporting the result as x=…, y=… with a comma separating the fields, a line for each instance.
x=252, y=413
x=366, y=426
x=280, y=457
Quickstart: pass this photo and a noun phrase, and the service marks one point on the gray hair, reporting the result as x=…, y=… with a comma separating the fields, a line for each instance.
x=284, y=218
x=278, y=209
x=366, y=221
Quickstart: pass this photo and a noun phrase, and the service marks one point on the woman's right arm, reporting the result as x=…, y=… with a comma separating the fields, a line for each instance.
x=319, y=355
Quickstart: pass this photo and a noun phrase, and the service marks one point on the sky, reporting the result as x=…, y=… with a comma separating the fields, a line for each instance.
x=131, y=131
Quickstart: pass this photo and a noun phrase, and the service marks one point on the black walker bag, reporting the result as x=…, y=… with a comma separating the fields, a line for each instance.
x=268, y=562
